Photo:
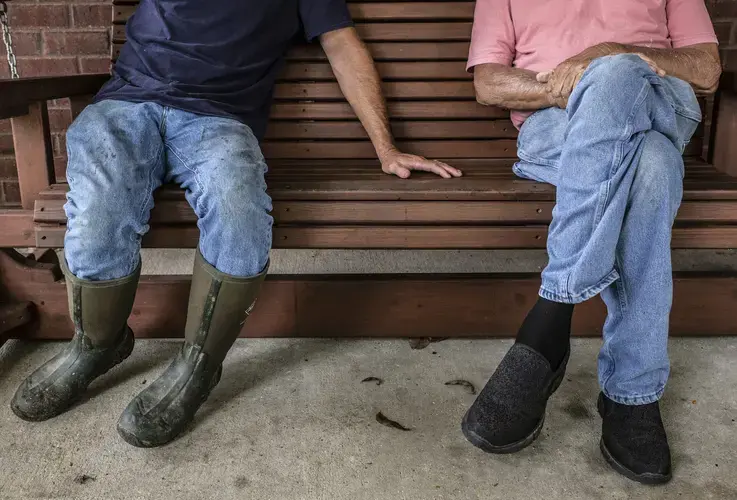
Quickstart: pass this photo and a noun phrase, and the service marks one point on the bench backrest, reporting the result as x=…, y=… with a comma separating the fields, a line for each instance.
x=420, y=49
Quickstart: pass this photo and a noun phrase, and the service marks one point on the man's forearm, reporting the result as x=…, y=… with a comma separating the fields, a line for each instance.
x=360, y=83
x=510, y=88
x=698, y=65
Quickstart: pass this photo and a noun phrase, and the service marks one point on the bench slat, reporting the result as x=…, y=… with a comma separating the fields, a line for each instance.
x=449, y=149
x=486, y=129
x=498, y=148
x=436, y=70
x=404, y=110
x=392, y=90
x=401, y=237
x=401, y=212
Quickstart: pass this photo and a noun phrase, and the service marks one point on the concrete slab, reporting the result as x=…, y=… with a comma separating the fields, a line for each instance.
x=179, y=261
x=292, y=420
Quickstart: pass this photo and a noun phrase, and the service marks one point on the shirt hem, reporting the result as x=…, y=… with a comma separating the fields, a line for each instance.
x=488, y=59
x=310, y=37
x=693, y=40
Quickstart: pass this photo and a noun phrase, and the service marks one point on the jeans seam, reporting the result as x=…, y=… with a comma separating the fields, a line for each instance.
x=203, y=194
x=612, y=366
x=181, y=159
x=147, y=196
x=621, y=292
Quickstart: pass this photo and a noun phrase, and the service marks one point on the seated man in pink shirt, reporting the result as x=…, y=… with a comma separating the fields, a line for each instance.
x=604, y=94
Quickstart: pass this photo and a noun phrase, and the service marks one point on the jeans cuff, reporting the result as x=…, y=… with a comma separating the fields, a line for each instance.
x=636, y=400
x=546, y=291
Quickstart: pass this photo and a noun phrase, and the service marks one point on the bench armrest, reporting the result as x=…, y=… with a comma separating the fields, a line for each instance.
x=17, y=95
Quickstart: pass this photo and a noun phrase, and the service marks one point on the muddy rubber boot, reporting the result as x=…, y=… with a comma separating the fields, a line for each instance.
x=102, y=339
x=218, y=306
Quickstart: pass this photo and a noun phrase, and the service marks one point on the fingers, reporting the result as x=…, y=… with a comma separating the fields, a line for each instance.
x=544, y=77
x=570, y=82
x=653, y=65
x=433, y=167
x=451, y=170
x=437, y=167
x=402, y=167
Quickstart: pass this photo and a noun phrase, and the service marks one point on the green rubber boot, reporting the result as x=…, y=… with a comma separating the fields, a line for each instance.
x=218, y=306
x=102, y=339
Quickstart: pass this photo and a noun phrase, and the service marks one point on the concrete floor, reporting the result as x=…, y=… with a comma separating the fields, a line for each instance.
x=292, y=420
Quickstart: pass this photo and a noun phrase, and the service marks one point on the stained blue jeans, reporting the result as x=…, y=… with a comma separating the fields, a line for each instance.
x=615, y=157
x=120, y=153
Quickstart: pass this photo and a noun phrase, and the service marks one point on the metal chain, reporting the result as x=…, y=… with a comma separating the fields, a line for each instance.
x=8, y=40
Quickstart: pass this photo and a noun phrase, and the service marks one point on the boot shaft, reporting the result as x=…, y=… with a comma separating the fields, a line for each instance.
x=218, y=307
x=100, y=309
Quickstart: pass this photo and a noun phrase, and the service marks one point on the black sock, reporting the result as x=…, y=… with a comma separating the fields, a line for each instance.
x=547, y=329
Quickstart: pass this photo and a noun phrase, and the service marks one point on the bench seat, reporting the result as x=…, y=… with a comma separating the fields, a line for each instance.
x=333, y=204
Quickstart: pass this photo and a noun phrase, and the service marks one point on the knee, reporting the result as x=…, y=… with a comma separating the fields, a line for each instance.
x=239, y=206
x=616, y=76
x=659, y=174
x=102, y=238
x=236, y=231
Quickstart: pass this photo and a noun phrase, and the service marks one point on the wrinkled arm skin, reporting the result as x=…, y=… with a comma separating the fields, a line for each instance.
x=510, y=88
x=698, y=64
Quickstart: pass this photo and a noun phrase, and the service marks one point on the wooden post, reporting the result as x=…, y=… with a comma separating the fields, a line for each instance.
x=33, y=153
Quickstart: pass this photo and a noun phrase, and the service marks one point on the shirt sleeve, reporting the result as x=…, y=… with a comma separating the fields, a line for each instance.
x=492, y=38
x=689, y=23
x=322, y=16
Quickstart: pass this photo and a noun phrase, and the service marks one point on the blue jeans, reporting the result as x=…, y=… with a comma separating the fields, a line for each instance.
x=615, y=157
x=120, y=153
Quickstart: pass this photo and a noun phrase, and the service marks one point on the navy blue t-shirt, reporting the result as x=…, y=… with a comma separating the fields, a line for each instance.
x=215, y=57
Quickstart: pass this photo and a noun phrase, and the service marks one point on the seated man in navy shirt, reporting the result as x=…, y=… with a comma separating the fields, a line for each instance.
x=187, y=103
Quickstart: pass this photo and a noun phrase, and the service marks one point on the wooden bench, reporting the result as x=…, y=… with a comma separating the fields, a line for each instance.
x=329, y=192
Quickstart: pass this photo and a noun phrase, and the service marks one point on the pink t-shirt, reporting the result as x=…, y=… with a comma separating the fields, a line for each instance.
x=539, y=34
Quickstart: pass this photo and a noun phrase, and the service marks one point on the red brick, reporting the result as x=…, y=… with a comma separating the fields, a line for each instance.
x=24, y=44
x=47, y=66
x=44, y=16
x=75, y=43
x=95, y=64
x=95, y=15
x=59, y=119
x=723, y=31
x=6, y=144
x=10, y=193
x=7, y=167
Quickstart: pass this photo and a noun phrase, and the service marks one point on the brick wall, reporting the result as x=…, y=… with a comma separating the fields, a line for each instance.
x=57, y=37
x=52, y=37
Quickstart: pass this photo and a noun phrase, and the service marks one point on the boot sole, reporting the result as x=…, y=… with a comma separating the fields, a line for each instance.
x=125, y=350
x=481, y=443
x=133, y=440
x=644, y=478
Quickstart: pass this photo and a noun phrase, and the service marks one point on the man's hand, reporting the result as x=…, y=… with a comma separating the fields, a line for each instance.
x=561, y=81
x=401, y=164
